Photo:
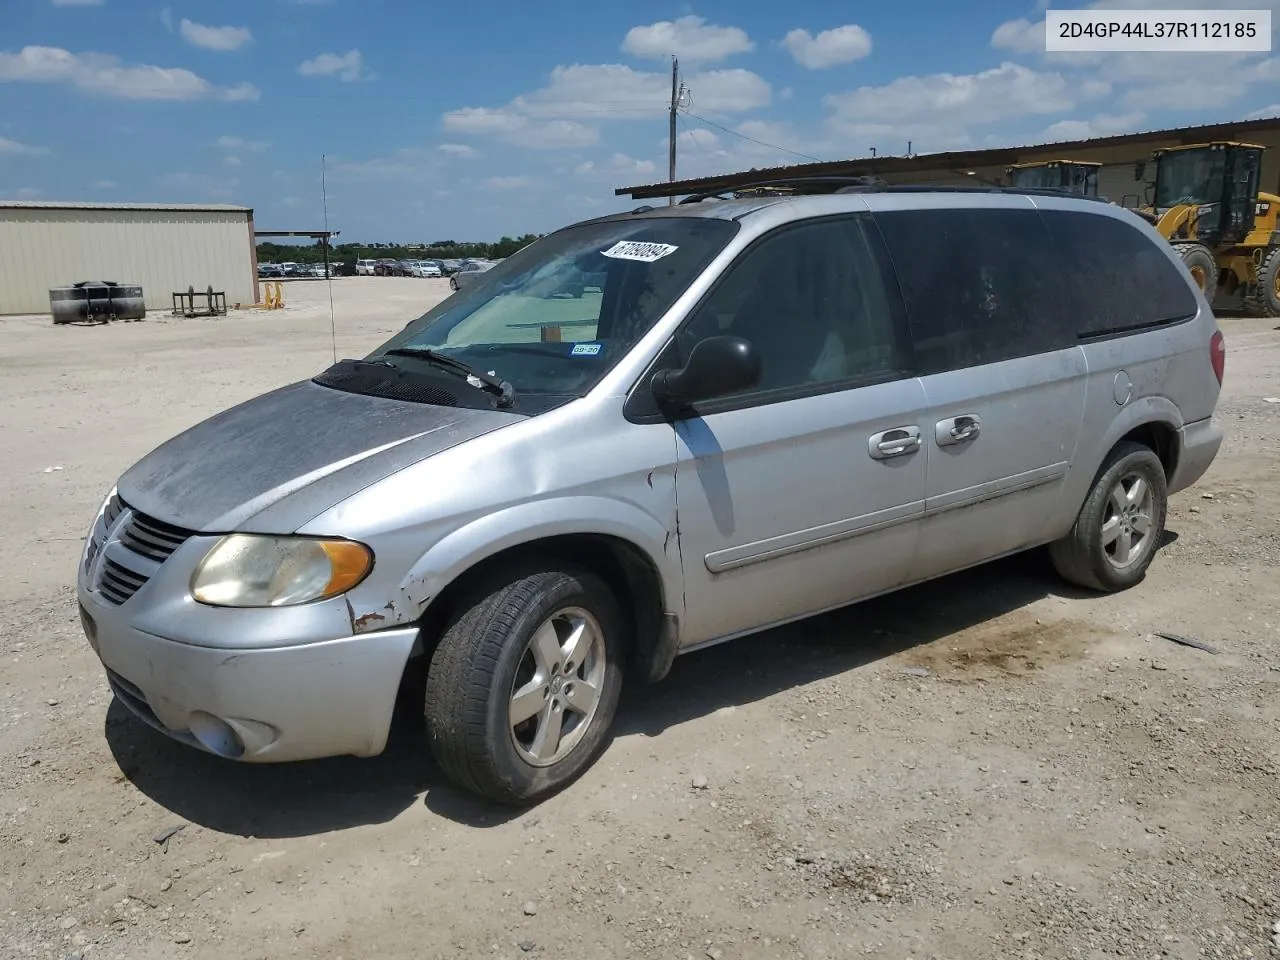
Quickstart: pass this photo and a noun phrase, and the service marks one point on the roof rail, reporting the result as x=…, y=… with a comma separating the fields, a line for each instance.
x=802, y=186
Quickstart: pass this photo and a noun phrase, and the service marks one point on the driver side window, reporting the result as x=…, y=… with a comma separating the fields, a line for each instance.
x=819, y=302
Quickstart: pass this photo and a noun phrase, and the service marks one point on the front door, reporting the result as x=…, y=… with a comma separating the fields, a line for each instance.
x=1004, y=378
x=805, y=492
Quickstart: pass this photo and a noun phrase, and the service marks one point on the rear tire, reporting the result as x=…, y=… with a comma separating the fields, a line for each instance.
x=523, y=686
x=1200, y=263
x=1118, y=530
x=1265, y=301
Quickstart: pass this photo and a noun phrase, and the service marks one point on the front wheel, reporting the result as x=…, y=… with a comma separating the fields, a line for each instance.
x=1201, y=265
x=522, y=688
x=1119, y=528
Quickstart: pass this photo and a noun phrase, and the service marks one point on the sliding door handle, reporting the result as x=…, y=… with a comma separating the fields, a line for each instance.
x=894, y=443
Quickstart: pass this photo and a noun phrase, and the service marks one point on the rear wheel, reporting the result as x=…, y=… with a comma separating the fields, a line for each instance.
x=1265, y=301
x=1202, y=266
x=1116, y=533
x=523, y=686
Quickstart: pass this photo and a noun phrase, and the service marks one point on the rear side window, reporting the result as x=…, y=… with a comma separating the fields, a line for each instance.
x=1116, y=279
x=980, y=285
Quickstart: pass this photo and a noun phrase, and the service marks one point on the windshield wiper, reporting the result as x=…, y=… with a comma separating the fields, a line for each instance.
x=505, y=392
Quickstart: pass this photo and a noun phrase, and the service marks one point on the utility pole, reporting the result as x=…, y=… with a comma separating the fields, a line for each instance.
x=671, y=134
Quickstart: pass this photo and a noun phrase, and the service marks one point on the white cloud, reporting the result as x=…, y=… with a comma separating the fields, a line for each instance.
x=232, y=161
x=829, y=48
x=166, y=19
x=105, y=75
x=105, y=185
x=521, y=130
x=12, y=148
x=1265, y=113
x=610, y=91
x=347, y=66
x=1102, y=125
x=28, y=193
x=617, y=165
x=222, y=39
x=240, y=143
x=1020, y=36
x=456, y=150
x=506, y=183
x=940, y=111
x=689, y=38
x=77, y=3
x=408, y=164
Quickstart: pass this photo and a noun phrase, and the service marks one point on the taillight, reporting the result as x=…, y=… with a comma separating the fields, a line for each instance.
x=1218, y=355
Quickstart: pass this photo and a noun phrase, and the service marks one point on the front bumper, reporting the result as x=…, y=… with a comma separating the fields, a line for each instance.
x=318, y=699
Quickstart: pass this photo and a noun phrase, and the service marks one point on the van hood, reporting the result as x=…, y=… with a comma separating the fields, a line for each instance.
x=273, y=463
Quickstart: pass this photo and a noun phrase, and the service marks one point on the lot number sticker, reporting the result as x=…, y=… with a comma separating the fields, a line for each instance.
x=585, y=349
x=644, y=252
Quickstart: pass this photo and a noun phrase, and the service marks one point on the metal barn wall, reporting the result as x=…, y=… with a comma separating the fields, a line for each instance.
x=163, y=250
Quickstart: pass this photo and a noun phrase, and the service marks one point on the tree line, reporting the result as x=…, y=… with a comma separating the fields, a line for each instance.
x=350, y=252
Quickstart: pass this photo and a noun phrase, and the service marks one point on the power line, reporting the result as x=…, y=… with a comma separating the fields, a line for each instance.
x=772, y=146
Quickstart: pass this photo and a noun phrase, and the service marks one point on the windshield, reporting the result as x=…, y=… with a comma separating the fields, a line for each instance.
x=1189, y=176
x=1037, y=178
x=553, y=318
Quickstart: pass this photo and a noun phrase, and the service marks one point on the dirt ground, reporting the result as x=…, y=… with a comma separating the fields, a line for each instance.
x=991, y=765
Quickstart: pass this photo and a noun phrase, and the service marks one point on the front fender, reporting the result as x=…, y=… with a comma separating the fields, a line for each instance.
x=525, y=523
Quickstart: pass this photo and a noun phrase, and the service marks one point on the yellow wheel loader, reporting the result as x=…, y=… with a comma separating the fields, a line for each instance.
x=1071, y=176
x=1204, y=199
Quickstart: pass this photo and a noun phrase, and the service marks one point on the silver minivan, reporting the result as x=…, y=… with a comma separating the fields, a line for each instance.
x=768, y=408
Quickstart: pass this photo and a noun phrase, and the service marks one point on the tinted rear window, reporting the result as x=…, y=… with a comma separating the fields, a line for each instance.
x=1116, y=278
x=980, y=285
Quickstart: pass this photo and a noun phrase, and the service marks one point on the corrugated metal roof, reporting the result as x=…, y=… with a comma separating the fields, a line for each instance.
x=891, y=164
x=163, y=207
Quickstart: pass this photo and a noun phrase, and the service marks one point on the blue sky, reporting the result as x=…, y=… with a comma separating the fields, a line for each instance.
x=466, y=122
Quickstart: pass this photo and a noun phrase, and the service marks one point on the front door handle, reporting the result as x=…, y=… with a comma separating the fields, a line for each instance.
x=894, y=443
x=955, y=430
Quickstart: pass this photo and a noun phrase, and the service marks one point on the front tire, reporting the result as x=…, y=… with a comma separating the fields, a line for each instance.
x=1265, y=301
x=1119, y=528
x=523, y=686
x=1201, y=265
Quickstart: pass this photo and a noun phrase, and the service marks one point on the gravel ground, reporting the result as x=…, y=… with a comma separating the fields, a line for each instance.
x=991, y=765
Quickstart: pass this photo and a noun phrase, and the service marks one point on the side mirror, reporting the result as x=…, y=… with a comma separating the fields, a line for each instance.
x=717, y=367
x=1139, y=169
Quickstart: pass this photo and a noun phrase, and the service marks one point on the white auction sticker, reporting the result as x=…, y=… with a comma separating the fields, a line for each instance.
x=1153, y=31
x=635, y=250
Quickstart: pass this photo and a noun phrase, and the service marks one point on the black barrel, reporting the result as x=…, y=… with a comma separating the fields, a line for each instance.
x=97, y=301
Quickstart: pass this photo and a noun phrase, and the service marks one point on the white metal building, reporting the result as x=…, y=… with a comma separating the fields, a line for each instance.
x=165, y=248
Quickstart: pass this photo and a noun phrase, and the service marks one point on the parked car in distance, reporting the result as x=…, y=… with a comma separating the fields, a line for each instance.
x=775, y=407
x=425, y=268
x=270, y=271
x=364, y=268
x=468, y=274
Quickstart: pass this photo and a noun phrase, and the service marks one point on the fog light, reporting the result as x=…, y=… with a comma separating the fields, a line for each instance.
x=215, y=735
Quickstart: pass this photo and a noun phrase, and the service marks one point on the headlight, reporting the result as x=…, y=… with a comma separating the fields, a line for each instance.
x=244, y=570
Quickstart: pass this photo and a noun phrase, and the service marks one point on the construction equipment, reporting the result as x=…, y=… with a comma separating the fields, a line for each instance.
x=1070, y=176
x=1204, y=199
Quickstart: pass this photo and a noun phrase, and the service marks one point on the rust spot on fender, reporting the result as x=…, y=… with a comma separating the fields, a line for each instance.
x=362, y=622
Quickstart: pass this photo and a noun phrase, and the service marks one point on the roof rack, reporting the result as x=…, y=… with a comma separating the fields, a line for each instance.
x=805, y=186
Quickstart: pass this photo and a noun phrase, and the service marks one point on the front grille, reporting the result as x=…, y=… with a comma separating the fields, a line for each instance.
x=118, y=583
x=143, y=536
x=153, y=539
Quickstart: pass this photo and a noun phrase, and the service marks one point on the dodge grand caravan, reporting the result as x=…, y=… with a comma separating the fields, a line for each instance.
x=771, y=407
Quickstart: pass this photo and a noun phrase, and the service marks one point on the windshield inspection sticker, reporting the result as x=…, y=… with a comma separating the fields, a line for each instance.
x=585, y=349
x=635, y=250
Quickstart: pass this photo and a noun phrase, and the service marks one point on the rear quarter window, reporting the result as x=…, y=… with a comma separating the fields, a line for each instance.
x=980, y=285
x=1116, y=279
